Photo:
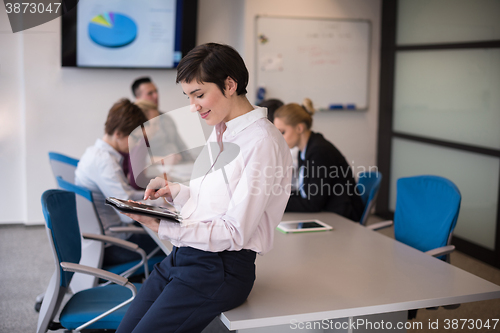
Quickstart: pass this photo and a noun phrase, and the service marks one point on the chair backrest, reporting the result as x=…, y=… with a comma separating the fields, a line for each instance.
x=63, y=166
x=87, y=214
x=368, y=186
x=59, y=210
x=88, y=219
x=427, y=210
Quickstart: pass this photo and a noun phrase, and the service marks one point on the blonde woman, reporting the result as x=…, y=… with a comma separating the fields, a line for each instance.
x=326, y=182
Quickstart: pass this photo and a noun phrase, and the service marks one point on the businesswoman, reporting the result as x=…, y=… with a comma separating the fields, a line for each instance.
x=230, y=213
x=326, y=182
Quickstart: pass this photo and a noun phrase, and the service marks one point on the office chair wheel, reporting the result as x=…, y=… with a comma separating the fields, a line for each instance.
x=38, y=302
x=38, y=305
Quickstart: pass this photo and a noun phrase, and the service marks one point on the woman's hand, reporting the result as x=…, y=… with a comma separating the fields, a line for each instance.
x=150, y=222
x=159, y=187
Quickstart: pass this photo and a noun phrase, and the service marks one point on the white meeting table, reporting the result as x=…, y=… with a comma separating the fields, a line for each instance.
x=349, y=272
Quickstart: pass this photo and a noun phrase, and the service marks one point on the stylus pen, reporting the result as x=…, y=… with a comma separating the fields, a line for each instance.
x=150, y=153
x=164, y=176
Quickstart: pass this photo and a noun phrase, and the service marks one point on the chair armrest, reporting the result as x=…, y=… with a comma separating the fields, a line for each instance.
x=77, y=268
x=134, y=230
x=127, y=245
x=441, y=251
x=112, y=240
x=380, y=225
x=100, y=273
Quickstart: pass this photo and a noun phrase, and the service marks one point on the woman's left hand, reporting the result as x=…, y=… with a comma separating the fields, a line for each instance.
x=147, y=221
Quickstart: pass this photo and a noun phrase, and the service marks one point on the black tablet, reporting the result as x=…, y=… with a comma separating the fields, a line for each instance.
x=143, y=209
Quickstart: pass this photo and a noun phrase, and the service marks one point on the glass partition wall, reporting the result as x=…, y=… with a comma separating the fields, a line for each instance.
x=440, y=109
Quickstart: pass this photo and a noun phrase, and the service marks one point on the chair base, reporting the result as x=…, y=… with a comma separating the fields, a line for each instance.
x=54, y=326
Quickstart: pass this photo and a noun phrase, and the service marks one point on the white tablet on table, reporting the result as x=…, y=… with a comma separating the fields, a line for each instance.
x=303, y=226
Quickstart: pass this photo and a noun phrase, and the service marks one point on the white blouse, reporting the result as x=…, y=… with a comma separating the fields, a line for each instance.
x=239, y=202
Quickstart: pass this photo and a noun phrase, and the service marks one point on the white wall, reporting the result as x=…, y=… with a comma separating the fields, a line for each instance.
x=221, y=21
x=12, y=147
x=353, y=133
x=44, y=107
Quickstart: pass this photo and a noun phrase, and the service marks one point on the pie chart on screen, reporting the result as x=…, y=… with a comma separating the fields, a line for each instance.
x=112, y=30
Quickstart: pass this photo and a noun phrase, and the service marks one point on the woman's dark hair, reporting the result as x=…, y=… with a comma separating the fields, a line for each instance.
x=124, y=116
x=272, y=105
x=214, y=63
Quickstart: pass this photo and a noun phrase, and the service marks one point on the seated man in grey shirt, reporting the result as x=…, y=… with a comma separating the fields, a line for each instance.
x=100, y=170
x=166, y=140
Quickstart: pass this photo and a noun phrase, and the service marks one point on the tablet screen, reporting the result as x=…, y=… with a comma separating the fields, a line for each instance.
x=143, y=207
x=148, y=207
x=304, y=225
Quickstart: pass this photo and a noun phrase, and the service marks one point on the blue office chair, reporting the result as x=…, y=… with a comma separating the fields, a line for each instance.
x=368, y=185
x=93, y=251
x=426, y=213
x=63, y=166
x=96, y=308
x=427, y=209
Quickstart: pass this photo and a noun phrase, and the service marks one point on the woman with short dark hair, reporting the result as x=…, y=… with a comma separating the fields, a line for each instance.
x=229, y=214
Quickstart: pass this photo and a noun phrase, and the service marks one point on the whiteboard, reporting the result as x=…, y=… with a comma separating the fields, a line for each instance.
x=326, y=60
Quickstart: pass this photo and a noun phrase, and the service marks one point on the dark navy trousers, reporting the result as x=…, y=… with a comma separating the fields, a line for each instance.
x=188, y=289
